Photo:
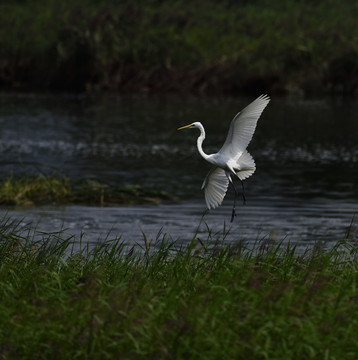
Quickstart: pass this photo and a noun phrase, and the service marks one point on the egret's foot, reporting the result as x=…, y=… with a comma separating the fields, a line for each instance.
x=233, y=215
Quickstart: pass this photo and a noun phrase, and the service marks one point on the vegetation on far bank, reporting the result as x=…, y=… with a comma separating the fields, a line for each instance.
x=201, y=301
x=52, y=190
x=207, y=46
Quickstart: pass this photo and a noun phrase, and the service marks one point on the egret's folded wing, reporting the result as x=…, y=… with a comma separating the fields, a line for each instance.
x=215, y=186
x=242, y=127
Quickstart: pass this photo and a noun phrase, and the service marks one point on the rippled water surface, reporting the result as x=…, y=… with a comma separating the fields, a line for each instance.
x=306, y=151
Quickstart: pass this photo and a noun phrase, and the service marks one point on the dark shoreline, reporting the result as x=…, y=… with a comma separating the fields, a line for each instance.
x=293, y=48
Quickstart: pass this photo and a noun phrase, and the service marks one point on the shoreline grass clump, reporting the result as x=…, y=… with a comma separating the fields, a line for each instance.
x=27, y=191
x=174, y=301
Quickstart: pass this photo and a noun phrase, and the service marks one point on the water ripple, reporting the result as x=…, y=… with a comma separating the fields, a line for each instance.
x=319, y=153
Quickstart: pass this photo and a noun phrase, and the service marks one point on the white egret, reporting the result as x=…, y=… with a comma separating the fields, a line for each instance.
x=232, y=158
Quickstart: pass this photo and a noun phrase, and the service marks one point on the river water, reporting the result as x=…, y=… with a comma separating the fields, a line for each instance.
x=305, y=187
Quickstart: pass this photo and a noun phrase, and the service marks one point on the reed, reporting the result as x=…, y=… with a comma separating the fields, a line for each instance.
x=202, y=300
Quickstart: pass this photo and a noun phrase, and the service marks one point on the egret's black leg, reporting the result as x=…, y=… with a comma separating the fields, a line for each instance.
x=243, y=192
x=233, y=214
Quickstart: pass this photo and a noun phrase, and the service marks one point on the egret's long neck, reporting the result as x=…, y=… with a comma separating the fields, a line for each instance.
x=199, y=142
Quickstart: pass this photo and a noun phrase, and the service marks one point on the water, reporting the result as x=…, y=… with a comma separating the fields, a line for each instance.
x=305, y=187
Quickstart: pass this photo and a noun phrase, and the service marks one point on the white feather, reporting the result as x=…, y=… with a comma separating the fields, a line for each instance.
x=245, y=166
x=242, y=128
x=215, y=186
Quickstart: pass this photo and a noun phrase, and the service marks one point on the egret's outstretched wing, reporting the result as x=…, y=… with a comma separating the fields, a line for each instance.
x=215, y=186
x=242, y=128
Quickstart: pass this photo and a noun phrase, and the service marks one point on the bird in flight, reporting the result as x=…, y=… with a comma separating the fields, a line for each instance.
x=232, y=159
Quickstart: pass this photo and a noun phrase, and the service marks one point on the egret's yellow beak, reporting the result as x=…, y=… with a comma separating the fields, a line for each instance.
x=184, y=127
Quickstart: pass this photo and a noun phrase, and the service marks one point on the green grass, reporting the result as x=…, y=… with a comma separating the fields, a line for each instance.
x=53, y=190
x=242, y=46
x=166, y=301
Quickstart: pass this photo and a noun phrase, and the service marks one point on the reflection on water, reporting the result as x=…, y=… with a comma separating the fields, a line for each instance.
x=306, y=153
x=273, y=218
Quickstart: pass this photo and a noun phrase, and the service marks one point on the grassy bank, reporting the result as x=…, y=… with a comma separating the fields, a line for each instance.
x=53, y=190
x=207, y=46
x=169, y=302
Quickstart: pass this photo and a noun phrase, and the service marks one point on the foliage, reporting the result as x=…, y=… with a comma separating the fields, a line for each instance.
x=177, y=45
x=47, y=190
x=201, y=301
